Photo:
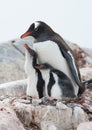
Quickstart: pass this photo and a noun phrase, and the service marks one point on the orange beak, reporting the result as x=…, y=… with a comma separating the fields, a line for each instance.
x=38, y=67
x=26, y=46
x=26, y=34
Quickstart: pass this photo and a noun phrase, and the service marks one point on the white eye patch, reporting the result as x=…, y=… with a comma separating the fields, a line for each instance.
x=36, y=24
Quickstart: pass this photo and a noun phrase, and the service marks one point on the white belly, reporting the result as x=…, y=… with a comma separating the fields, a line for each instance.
x=48, y=52
x=46, y=76
x=32, y=86
x=56, y=92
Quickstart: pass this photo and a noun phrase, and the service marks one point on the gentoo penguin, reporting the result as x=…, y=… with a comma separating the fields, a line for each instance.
x=55, y=83
x=52, y=49
x=35, y=83
x=59, y=85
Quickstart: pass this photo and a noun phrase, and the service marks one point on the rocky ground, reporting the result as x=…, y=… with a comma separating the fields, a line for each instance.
x=16, y=113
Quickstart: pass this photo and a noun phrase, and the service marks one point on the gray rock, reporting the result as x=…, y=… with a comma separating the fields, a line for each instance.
x=12, y=60
x=11, y=63
x=78, y=116
x=47, y=117
x=82, y=56
x=85, y=126
x=14, y=88
x=60, y=105
x=8, y=119
x=40, y=117
x=86, y=73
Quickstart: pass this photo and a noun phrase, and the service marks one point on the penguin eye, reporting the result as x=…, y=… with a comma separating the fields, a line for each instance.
x=36, y=29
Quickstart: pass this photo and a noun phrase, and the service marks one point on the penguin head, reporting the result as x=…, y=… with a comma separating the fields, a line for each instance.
x=40, y=31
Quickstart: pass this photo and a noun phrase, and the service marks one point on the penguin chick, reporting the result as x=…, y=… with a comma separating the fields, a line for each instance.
x=35, y=83
x=59, y=85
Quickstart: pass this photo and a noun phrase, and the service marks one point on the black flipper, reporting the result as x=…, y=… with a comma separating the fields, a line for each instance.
x=71, y=63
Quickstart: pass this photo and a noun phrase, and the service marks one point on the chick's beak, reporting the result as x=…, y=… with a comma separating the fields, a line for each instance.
x=26, y=46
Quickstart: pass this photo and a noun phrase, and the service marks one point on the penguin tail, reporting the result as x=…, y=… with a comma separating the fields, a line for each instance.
x=84, y=86
x=88, y=83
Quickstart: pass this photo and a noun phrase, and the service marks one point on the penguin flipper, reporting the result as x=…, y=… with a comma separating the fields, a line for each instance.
x=74, y=70
x=72, y=65
x=68, y=55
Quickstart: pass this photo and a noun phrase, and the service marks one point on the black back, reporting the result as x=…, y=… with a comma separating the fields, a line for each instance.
x=64, y=83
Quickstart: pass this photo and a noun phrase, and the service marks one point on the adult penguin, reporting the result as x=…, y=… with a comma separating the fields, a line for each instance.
x=52, y=49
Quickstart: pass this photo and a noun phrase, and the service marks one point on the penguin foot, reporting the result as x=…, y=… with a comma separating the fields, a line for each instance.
x=34, y=100
x=44, y=99
x=29, y=98
x=48, y=101
x=52, y=98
